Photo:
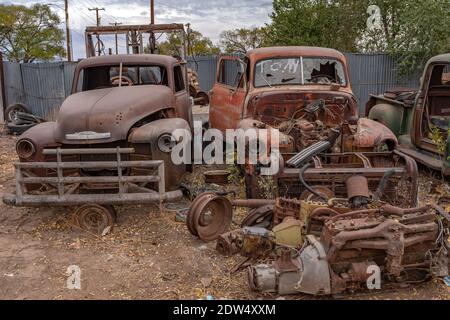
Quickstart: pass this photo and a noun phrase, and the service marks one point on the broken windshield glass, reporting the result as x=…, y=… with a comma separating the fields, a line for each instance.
x=299, y=71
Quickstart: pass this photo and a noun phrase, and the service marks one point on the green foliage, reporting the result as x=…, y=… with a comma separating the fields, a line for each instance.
x=411, y=31
x=438, y=138
x=242, y=40
x=323, y=23
x=235, y=176
x=267, y=186
x=29, y=34
x=198, y=45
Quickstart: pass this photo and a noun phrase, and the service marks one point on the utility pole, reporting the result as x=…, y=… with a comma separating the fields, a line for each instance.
x=152, y=38
x=68, y=38
x=152, y=11
x=96, y=9
x=117, y=42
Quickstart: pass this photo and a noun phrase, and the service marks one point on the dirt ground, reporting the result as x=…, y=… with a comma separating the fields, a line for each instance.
x=148, y=256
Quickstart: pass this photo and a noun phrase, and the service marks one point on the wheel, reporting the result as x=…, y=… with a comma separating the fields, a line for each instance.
x=113, y=212
x=209, y=216
x=12, y=110
x=190, y=223
x=18, y=129
x=95, y=219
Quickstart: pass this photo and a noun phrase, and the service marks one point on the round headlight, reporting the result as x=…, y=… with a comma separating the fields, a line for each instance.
x=25, y=149
x=166, y=143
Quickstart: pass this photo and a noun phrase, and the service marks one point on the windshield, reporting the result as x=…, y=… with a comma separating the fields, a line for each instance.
x=299, y=71
x=109, y=76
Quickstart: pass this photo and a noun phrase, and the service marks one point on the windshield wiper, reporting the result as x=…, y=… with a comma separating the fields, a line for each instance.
x=287, y=80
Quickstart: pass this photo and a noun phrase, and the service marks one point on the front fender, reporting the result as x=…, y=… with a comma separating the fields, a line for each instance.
x=42, y=136
x=389, y=115
x=149, y=134
x=373, y=135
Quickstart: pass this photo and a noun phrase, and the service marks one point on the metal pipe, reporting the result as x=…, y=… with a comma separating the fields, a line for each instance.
x=102, y=199
x=302, y=180
x=88, y=165
x=88, y=151
x=252, y=203
x=55, y=180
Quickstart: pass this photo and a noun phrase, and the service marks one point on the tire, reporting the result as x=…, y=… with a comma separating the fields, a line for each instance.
x=14, y=108
x=19, y=129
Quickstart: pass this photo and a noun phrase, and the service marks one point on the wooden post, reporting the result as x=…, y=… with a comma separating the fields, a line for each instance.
x=2, y=91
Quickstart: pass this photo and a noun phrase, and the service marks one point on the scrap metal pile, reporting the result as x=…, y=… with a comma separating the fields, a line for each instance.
x=327, y=245
x=19, y=118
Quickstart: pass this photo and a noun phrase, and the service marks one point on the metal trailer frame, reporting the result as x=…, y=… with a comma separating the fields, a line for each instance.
x=138, y=31
x=334, y=176
x=63, y=198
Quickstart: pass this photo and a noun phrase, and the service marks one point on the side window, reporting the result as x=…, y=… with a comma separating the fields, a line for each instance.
x=446, y=76
x=230, y=72
x=179, y=79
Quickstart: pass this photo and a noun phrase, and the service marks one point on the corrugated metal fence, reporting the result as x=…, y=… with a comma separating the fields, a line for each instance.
x=44, y=86
x=40, y=86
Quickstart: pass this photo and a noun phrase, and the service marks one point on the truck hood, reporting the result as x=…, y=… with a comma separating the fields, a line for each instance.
x=109, y=113
x=269, y=105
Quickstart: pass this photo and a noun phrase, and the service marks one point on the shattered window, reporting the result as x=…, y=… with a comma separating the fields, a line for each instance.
x=299, y=71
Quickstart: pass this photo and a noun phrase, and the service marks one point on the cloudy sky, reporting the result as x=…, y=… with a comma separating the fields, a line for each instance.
x=208, y=16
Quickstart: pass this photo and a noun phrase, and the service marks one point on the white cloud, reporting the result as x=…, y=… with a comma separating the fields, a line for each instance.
x=210, y=17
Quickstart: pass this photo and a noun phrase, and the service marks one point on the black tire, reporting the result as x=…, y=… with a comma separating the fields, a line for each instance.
x=14, y=108
x=18, y=129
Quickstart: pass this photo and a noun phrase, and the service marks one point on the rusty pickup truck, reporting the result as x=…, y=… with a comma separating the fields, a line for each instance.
x=111, y=143
x=420, y=119
x=305, y=93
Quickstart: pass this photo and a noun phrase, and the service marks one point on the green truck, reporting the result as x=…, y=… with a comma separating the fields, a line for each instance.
x=420, y=119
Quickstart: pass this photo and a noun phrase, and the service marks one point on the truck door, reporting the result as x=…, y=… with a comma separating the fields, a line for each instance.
x=432, y=113
x=228, y=94
x=183, y=101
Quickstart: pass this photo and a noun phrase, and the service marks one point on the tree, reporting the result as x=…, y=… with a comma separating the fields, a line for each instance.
x=29, y=34
x=242, y=40
x=198, y=45
x=324, y=23
x=411, y=31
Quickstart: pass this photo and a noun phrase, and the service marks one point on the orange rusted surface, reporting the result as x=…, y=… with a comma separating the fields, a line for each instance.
x=273, y=104
x=371, y=134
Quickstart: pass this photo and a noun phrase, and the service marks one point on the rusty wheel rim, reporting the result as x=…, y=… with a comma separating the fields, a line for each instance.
x=191, y=213
x=212, y=217
x=94, y=218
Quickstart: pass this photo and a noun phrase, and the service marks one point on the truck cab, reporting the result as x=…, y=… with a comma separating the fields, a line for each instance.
x=420, y=119
x=272, y=84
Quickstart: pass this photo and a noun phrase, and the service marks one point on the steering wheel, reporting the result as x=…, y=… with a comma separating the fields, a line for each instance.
x=125, y=81
x=328, y=77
